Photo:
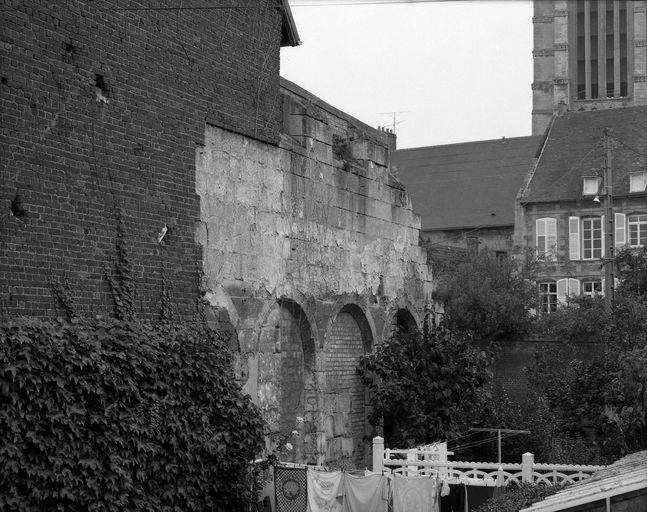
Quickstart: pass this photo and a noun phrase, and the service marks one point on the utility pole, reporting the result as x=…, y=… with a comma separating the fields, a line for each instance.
x=609, y=239
x=499, y=430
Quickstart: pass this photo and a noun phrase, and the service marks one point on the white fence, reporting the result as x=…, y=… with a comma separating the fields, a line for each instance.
x=475, y=473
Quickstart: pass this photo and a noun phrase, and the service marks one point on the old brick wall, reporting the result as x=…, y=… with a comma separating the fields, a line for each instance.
x=102, y=108
x=318, y=223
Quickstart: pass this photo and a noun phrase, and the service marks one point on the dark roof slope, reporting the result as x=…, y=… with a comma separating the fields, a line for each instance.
x=467, y=185
x=575, y=149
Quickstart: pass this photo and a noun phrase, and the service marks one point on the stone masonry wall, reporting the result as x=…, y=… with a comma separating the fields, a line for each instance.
x=319, y=230
x=102, y=105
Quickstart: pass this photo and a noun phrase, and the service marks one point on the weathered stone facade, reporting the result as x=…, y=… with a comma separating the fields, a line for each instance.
x=312, y=249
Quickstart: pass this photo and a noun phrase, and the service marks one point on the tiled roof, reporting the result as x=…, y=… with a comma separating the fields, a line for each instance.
x=575, y=149
x=467, y=185
x=626, y=475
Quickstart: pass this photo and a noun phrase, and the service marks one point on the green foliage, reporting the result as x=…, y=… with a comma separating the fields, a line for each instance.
x=533, y=412
x=122, y=416
x=631, y=269
x=418, y=382
x=604, y=392
x=486, y=295
x=515, y=498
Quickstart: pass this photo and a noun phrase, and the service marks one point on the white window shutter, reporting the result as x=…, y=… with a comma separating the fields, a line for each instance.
x=540, y=237
x=603, y=288
x=604, y=230
x=574, y=238
x=551, y=239
x=574, y=287
x=621, y=231
x=562, y=290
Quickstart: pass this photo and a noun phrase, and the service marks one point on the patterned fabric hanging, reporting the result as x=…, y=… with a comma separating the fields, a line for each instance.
x=290, y=489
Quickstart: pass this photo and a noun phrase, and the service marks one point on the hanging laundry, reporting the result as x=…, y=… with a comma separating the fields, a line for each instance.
x=455, y=501
x=324, y=488
x=367, y=493
x=290, y=489
x=415, y=494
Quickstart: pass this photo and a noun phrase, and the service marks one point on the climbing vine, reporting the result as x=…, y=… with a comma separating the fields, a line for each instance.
x=122, y=283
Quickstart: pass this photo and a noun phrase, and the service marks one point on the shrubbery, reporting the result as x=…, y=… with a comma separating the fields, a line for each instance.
x=122, y=416
x=515, y=498
x=419, y=382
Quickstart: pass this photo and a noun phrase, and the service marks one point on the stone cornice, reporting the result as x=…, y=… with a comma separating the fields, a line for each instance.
x=640, y=78
x=560, y=47
x=561, y=13
x=542, y=19
x=543, y=52
x=640, y=42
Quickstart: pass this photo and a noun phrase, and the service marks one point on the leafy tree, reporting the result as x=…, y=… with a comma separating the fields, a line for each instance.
x=419, y=381
x=605, y=391
x=486, y=295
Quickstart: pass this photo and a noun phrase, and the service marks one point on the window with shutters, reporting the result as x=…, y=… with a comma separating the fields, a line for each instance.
x=591, y=288
x=546, y=238
x=591, y=238
x=637, y=230
x=548, y=297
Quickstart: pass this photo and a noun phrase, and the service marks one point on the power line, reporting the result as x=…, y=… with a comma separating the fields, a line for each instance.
x=329, y=3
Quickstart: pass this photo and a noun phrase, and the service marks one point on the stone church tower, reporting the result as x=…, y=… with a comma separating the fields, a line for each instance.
x=588, y=54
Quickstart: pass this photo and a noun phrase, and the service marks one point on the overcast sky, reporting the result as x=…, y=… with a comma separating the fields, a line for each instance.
x=453, y=71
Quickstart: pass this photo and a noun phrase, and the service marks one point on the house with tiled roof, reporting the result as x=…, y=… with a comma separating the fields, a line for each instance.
x=563, y=207
x=465, y=193
x=620, y=487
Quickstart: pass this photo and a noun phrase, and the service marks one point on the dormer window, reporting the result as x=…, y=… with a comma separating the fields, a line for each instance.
x=591, y=185
x=637, y=181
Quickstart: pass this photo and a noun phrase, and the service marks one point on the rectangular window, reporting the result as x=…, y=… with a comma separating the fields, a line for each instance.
x=591, y=238
x=546, y=238
x=637, y=182
x=591, y=186
x=637, y=230
x=591, y=288
x=548, y=297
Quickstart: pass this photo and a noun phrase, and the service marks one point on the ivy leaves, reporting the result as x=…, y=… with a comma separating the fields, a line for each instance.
x=122, y=416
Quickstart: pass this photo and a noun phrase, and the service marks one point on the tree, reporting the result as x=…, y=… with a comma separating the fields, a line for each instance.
x=489, y=296
x=605, y=391
x=419, y=381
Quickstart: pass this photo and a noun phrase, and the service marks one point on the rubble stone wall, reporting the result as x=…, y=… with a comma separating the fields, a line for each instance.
x=311, y=244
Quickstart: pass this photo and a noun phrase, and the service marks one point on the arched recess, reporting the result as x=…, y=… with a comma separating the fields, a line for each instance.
x=286, y=362
x=349, y=336
x=404, y=322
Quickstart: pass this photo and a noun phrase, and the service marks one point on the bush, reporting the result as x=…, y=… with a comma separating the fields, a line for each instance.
x=122, y=416
x=419, y=382
x=518, y=497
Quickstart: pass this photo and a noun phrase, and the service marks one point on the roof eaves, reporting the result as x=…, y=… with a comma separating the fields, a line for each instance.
x=289, y=33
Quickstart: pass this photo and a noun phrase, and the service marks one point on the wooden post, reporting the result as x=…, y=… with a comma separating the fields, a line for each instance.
x=378, y=454
x=527, y=462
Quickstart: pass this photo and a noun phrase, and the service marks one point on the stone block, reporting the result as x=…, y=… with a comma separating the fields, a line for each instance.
x=339, y=424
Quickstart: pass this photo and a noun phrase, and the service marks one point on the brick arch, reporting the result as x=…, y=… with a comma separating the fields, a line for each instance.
x=405, y=313
x=404, y=321
x=286, y=362
x=348, y=337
